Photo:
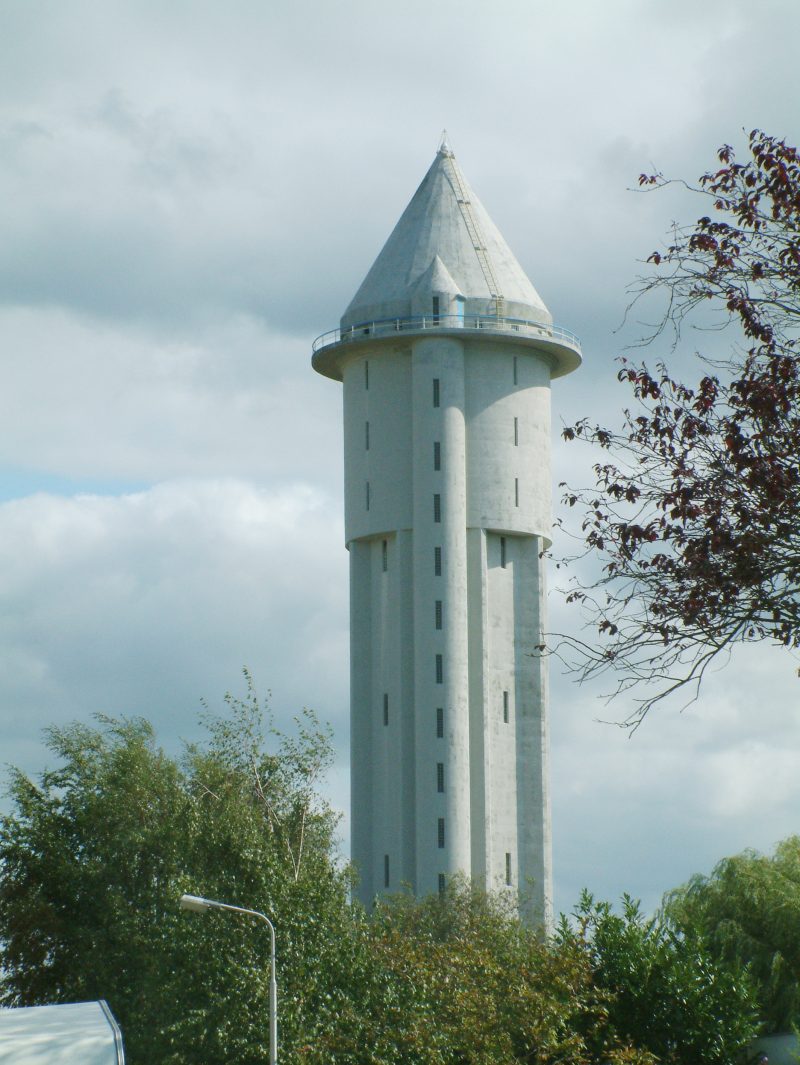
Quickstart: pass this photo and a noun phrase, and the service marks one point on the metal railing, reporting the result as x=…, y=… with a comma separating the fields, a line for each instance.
x=448, y=322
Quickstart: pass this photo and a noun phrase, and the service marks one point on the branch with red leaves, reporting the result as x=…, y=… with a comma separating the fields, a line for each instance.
x=695, y=515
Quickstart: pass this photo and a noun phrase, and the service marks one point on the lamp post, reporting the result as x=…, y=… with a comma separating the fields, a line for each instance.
x=199, y=905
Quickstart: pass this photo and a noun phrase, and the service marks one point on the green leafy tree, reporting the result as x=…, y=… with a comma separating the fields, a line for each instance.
x=457, y=979
x=748, y=911
x=664, y=993
x=97, y=851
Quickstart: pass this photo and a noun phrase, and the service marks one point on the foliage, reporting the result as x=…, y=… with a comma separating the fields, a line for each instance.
x=664, y=992
x=457, y=978
x=695, y=513
x=97, y=852
x=748, y=910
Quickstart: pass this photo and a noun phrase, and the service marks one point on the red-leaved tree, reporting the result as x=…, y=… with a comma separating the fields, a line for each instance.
x=695, y=513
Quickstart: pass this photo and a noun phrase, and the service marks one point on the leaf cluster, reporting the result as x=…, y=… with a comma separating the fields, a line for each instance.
x=457, y=978
x=665, y=992
x=748, y=911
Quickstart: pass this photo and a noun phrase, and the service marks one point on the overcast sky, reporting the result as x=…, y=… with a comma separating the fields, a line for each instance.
x=192, y=191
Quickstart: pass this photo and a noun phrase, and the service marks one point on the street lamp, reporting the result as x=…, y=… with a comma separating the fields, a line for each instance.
x=199, y=905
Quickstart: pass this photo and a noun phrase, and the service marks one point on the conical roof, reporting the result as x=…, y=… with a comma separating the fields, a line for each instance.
x=445, y=221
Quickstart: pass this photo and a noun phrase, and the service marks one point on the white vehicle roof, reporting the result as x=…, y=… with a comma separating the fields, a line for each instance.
x=75, y=1033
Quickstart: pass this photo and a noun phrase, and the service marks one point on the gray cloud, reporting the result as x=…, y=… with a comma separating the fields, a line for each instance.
x=686, y=789
x=194, y=191
x=90, y=399
x=144, y=603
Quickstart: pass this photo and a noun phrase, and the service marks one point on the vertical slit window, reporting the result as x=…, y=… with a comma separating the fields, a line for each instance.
x=437, y=614
x=503, y=551
x=366, y=436
x=440, y=776
x=516, y=491
x=386, y=708
x=439, y=669
x=437, y=561
x=437, y=507
x=386, y=870
x=366, y=375
x=440, y=833
x=367, y=495
x=436, y=304
x=508, y=868
x=384, y=555
x=516, y=432
x=437, y=455
x=505, y=708
x=436, y=396
x=439, y=722
x=515, y=370
x=441, y=883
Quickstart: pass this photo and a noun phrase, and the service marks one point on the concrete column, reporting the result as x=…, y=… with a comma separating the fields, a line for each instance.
x=406, y=762
x=479, y=699
x=532, y=740
x=440, y=359
x=361, y=733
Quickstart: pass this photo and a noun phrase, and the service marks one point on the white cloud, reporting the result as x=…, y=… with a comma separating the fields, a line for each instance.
x=195, y=190
x=93, y=400
x=145, y=603
x=641, y=812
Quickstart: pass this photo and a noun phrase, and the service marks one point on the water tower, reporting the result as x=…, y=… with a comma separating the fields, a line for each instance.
x=446, y=354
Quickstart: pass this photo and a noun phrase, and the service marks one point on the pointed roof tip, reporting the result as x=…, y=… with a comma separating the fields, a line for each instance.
x=444, y=145
x=445, y=220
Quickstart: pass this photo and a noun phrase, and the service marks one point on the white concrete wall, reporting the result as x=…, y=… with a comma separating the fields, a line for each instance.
x=386, y=465
x=510, y=786
x=383, y=763
x=495, y=799
x=494, y=460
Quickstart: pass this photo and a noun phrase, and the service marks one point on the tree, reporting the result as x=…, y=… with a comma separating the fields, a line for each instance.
x=748, y=911
x=695, y=512
x=664, y=992
x=96, y=853
x=457, y=978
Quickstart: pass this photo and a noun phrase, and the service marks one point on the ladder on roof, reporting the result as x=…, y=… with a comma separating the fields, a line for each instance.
x=474, y=230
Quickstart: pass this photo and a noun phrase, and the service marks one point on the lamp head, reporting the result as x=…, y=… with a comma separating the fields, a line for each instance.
x=194, y=903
